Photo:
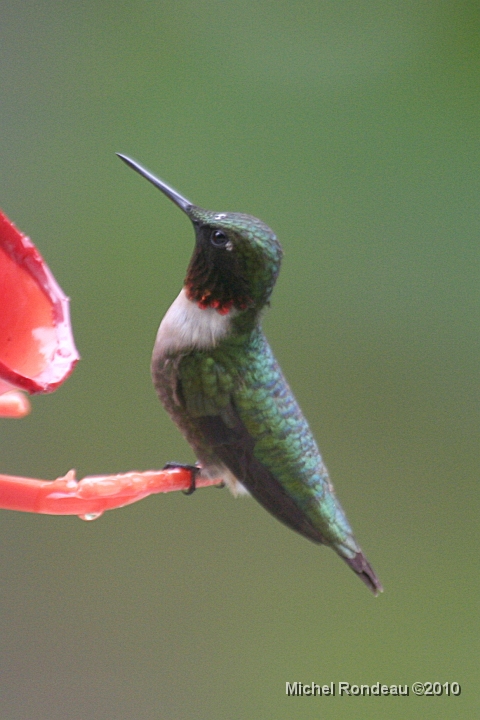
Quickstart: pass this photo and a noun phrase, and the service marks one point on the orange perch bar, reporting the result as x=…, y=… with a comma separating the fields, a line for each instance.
x=90, y=497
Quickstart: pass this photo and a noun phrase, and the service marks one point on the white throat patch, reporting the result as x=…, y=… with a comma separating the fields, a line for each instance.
x=187, y=327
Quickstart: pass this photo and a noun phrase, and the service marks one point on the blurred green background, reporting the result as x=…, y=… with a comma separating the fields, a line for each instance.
x=352, y=128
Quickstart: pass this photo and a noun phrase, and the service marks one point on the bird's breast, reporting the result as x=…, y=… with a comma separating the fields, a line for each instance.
x=186, y=326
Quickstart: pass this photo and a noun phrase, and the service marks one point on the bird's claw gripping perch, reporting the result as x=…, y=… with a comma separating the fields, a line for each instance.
x=194, y=470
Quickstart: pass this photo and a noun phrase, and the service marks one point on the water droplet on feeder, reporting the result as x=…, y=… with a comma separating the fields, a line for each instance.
x=90, y=516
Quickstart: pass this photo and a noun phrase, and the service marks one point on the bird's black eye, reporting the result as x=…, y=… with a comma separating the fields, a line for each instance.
x=218, y=238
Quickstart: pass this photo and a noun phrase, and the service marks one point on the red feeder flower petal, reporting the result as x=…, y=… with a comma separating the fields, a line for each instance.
x=37, y=350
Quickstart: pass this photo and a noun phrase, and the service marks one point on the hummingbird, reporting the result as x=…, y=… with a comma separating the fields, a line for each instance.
x=217, y=377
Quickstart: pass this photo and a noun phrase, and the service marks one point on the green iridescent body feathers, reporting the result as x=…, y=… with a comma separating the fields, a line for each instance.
x=242, y=372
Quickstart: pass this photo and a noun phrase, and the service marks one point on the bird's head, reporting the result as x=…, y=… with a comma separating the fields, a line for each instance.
x=236, y=259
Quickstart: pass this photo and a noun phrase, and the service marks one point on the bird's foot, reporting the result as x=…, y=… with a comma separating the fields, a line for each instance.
x=193, y=469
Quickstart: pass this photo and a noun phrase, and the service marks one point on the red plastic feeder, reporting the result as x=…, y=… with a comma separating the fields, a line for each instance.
x=37, y=350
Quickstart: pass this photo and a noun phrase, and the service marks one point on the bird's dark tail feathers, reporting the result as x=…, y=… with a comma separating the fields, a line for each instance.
x=365, y=572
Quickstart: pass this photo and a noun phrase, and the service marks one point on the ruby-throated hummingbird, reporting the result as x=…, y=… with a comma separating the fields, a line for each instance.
x=216, y=375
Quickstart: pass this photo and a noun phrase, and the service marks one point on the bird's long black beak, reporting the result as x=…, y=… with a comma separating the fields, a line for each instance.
x=174, y=196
